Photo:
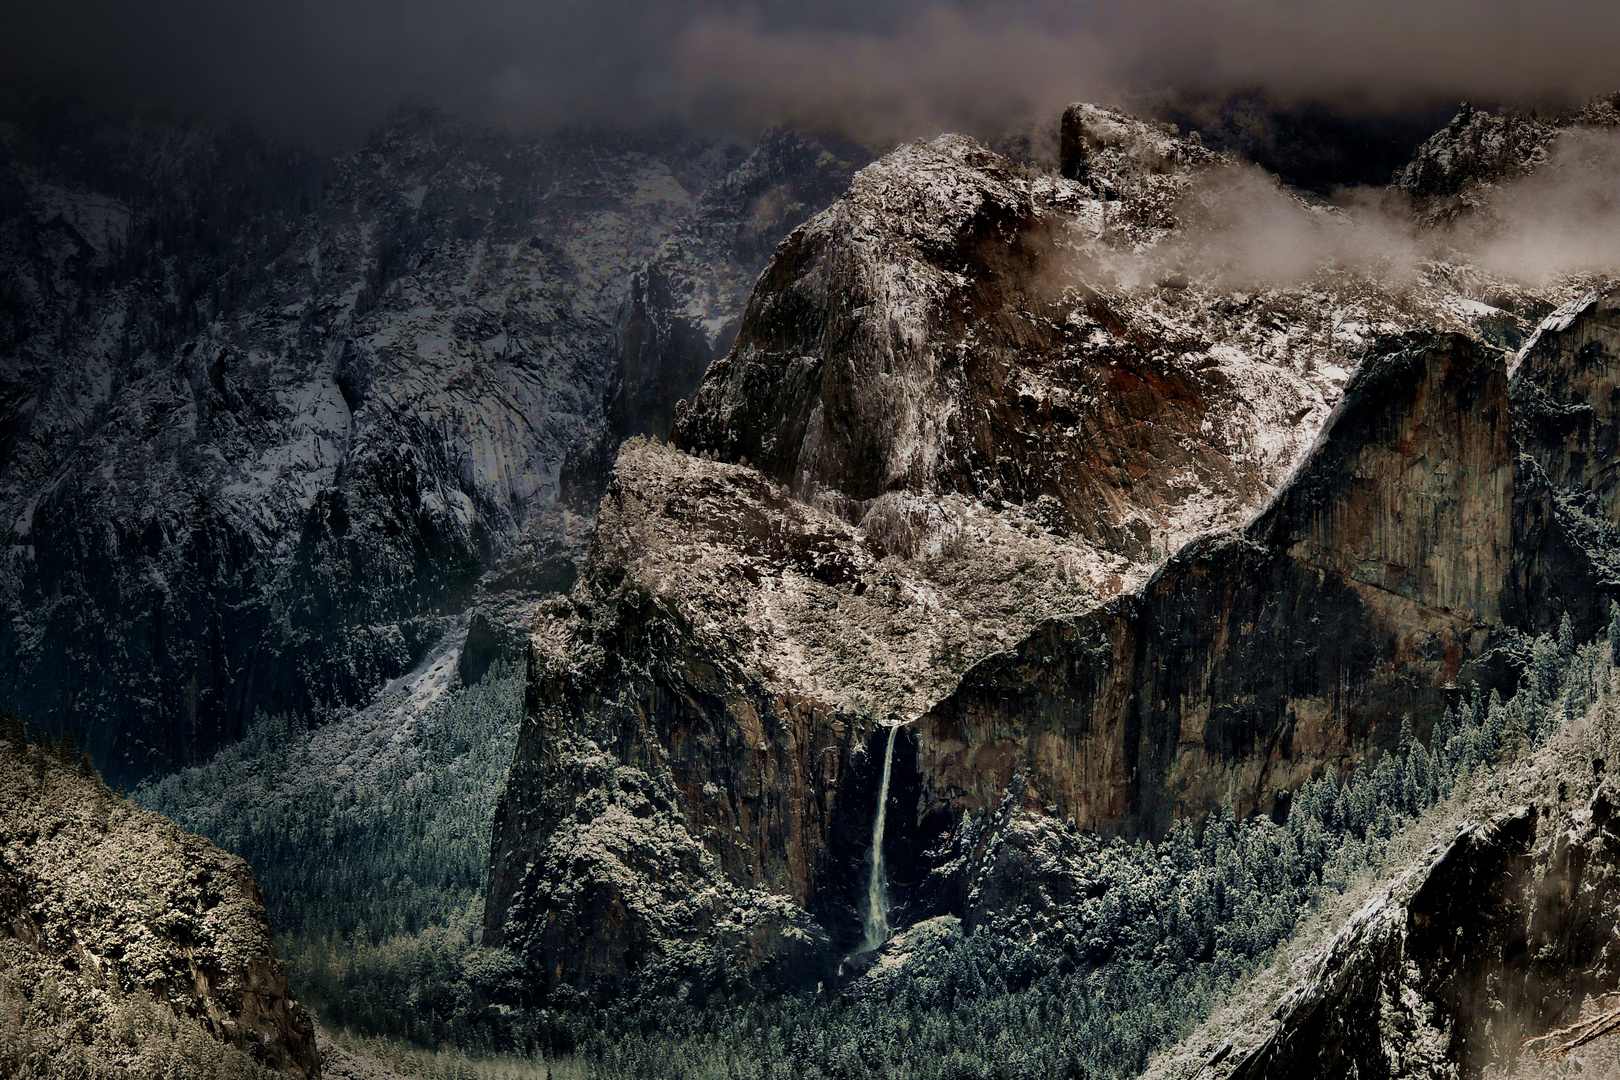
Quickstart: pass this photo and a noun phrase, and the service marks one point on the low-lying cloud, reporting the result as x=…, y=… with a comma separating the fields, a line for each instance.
x=1240, y=229
x=884, y=73
x=975, y=66
x=1564, y=218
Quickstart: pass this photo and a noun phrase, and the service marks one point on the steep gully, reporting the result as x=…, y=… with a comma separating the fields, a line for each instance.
x=681, y=793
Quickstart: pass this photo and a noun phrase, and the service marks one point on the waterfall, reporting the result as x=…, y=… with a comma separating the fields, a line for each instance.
x=877, y=885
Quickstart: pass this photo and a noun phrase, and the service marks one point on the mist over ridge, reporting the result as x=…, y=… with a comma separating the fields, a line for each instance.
x=1243, y=229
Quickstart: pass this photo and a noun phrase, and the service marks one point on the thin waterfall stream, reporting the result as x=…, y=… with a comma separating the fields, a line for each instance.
x=877, y=884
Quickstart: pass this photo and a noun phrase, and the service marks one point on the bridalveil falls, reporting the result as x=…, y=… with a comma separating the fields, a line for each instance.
x=877, y=884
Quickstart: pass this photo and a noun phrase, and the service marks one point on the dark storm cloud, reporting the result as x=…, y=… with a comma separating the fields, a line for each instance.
x=944, y=65
x=335, y=64
x=878, y=69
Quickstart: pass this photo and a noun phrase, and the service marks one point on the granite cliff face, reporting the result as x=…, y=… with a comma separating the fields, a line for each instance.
x=938, y=481
x=1253, y=660
x=267, y=416
x=1565, y=425
x=934, y=333
x=1446, y=511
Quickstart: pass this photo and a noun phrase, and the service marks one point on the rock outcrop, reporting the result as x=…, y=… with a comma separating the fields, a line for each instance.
x=111, y=916
x=936, y=481
x=1254, y=660
x=934, y=332
x=1456, y=174
x=1426, y=967
x=1567, y=426
x=1476, y=149
x=695, y=753
x=1445, y=510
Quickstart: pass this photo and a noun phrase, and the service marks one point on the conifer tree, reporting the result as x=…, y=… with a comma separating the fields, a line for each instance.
x=1515, y=736
x=67, y=750
x=1546, y=665
x=12, y=729
x=1614, y=632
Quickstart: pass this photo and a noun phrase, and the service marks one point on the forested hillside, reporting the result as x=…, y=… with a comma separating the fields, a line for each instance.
x=370, y=836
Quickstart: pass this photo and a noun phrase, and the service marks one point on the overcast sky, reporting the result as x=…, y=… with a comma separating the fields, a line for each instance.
x=876, y=69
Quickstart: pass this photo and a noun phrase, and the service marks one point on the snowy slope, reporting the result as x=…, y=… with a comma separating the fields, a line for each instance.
x=266, y=416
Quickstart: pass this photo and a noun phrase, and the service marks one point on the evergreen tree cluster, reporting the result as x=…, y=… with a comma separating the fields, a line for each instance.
x=371, y=846
x=43, y=747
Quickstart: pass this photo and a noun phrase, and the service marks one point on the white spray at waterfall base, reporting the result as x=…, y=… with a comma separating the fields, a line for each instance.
x=877, y=884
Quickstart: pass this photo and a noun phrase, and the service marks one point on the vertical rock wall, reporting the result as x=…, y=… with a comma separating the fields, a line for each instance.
x=1566, y=400
x=1254, y=660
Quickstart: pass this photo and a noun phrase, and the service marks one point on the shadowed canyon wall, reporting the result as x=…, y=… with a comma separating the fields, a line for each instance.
x=1254, y=660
